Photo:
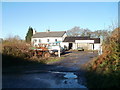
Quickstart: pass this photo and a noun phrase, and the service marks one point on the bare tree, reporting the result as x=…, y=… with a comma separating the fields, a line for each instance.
x=77, y=31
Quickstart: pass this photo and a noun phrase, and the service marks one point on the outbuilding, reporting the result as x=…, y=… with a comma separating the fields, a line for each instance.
x=85, y=42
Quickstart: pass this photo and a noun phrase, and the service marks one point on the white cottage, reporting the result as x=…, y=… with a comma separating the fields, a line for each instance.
x=48, y=37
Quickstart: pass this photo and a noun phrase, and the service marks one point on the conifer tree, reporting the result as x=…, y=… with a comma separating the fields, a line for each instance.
x=29, y=35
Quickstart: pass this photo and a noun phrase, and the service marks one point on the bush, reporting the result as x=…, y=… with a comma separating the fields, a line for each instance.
x=105, y=70
x=15, y=52
x=16, y=49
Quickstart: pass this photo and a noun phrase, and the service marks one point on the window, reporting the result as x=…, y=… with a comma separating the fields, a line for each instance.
x=35, y=40
x=39, y=40
x=48, y=40
x=55, y=40
x=35, y=45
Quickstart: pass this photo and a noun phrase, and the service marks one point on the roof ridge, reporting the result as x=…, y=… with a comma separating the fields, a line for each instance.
x=50, y=34
x=51, y=31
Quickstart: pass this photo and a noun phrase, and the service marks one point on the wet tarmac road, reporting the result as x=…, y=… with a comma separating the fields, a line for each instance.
x=67, y=73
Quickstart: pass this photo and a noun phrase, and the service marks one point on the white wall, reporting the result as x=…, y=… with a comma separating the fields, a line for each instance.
x=44, y=40
x=64, y=43
x=88, y=44
x=74, y=46
x=65, y=35
x=51, y=40
x=97, y=46
x=84, y=41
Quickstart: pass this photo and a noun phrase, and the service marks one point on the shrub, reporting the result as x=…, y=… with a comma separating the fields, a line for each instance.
x=105, y=70
x=15, y=52
x=16, y=49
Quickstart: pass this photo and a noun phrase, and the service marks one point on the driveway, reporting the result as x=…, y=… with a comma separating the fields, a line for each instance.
x=67, y=73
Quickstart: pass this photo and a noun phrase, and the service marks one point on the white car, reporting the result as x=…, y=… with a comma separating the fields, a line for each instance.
x=54, y=49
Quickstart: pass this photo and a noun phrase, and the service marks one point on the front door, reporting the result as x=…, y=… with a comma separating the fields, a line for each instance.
x=70, y=45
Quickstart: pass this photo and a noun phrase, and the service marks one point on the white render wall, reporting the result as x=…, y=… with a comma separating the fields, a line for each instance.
x=44, y=40
x=97, y=46
x=84, y=41
x=88, y=44
x=74, y=46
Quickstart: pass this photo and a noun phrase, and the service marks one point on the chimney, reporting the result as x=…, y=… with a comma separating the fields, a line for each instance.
x=47, y=30
x=34, y=31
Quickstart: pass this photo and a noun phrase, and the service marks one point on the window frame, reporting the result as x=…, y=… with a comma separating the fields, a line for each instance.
x=35, y=40
x=56, y=40
x=39, y=40
x=48, y=40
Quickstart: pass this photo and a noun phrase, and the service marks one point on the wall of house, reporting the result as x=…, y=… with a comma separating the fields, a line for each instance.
x=45, y=40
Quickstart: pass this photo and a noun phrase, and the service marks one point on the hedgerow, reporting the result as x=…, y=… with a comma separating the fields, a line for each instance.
x=104, y=71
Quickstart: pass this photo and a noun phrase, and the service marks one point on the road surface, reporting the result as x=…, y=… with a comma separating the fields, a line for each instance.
x=67, y=73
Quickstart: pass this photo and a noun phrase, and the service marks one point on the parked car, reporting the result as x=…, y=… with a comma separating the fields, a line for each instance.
x=54, y=49
x=80, y=49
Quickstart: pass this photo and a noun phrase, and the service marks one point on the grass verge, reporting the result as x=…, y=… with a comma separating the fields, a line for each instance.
x=53, y=60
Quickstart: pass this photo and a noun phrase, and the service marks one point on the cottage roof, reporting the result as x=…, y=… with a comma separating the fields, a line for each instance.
x=72, y=39
x=49, y=34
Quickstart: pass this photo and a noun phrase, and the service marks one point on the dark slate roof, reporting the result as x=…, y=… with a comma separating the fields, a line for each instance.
x=49, y=34
x=72, y=39
x=96, y=40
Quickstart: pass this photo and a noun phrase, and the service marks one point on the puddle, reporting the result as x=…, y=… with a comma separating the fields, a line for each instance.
x=70, y=75
x=70, y=80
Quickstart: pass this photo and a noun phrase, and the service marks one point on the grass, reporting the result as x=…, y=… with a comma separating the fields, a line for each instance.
x=53, y=59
